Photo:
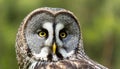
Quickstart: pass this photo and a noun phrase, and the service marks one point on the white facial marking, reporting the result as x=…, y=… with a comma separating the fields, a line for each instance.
x=66, y=54
x=55, y=58
x=59, y=26
x=43, y=54
x=49, y=27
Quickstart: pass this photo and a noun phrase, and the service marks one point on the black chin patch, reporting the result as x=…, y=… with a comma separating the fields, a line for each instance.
x=49, y=57
x=59, y=55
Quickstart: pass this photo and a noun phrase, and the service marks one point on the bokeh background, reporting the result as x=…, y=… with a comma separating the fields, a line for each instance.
x=99, y=20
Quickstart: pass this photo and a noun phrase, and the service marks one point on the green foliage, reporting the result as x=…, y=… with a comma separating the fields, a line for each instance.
x=99, y=20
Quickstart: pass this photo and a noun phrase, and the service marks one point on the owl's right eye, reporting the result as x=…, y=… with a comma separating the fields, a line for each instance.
x=43, y=33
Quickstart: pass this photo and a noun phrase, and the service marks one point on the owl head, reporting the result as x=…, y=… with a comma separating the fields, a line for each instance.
x=48, y=34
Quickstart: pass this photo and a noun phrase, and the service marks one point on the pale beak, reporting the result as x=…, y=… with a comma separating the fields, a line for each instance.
x=54, y=48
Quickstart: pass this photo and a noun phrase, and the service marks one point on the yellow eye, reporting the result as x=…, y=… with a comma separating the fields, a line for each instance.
x=42, y=34
x=63, y=34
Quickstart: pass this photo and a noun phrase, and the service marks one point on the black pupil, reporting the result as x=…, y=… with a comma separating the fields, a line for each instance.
x=42, y=33
x=62, y=34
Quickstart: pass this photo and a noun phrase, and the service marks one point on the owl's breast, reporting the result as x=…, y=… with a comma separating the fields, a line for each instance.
x=65, y=64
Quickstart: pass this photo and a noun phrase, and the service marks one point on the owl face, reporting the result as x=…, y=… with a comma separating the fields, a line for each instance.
x=52, y=36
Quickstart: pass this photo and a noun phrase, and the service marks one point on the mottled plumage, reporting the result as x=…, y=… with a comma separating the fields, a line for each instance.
x=50, y=38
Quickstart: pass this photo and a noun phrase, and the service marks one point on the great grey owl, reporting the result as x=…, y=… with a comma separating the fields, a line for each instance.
x=50, y=38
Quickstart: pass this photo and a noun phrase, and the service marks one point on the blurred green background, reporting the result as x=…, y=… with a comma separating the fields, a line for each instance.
x=99, y=20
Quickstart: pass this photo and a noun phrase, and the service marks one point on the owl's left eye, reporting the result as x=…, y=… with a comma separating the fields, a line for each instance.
x=63, y=34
